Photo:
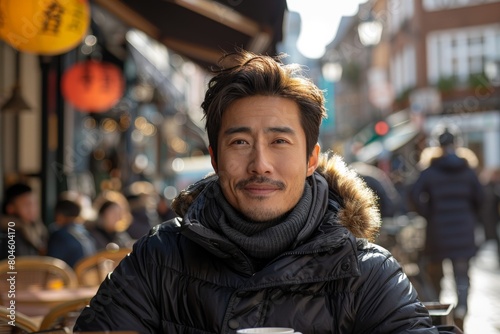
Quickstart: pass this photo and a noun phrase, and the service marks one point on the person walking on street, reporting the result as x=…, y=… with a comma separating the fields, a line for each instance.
x=490, y=211
x=278, y=236
x=448, y=195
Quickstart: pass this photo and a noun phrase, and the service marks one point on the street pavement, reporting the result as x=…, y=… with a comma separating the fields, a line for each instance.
x=484, y=295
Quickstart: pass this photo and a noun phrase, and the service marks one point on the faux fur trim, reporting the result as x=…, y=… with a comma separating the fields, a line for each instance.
x=359, y=212
x=433, y=152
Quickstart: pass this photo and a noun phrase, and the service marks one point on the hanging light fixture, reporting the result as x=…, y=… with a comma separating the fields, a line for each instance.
x=16, y=102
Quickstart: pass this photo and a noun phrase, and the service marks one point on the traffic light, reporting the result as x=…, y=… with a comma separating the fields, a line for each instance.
x=381, y=128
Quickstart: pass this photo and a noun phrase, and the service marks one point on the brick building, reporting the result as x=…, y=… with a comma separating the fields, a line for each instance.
x=437, y=64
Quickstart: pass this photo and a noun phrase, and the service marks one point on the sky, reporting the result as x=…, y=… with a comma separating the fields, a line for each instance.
x=320, y=20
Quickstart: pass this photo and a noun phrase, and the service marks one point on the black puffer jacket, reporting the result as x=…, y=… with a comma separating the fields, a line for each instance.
x=448, y=195
x=185, y=278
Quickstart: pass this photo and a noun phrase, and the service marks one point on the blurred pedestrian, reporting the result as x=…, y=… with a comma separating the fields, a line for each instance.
x=448, y=195
x=165, y=211
x=106, y=228
x=69, y=240
x=139, y=224
x=142, y=199
x=20, y=213
x=490, y=210
x=387, y=196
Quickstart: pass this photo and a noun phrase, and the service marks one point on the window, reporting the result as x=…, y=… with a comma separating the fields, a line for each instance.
x=435, y=5
x=461, y=52
x=401, y=11
x=404, y=69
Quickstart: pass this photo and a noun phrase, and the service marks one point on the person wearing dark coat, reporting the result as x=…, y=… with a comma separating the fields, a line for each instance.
x=490, y=210
x=448, y=195
x=69, y=240
x=381, y=184
x=279, y=236
x=21, y=230
x=105, y=231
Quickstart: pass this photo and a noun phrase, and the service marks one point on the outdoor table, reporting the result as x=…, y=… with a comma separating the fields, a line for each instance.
x=36, y=303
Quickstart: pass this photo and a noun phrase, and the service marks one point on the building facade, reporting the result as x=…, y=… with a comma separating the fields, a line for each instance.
x=438, y=61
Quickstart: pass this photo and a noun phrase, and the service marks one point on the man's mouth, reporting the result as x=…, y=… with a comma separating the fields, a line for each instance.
x=260, y=186
x=259, y=189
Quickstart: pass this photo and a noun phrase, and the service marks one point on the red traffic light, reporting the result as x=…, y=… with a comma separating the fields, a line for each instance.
x=381, y=128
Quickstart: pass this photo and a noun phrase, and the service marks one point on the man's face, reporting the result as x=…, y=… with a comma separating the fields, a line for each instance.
x=24, y=207
x=261, y=157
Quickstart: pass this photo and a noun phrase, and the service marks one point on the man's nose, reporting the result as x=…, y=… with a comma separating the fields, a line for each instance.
x=260, y=161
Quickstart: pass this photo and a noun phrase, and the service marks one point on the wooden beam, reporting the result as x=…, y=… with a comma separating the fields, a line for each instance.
x=195, y=51
x=129, y=17
x=223, y=14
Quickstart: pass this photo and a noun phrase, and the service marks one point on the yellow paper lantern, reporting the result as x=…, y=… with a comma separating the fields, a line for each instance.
x=46, y=27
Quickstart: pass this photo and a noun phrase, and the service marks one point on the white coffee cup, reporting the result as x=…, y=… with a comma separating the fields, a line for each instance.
x=274, y=330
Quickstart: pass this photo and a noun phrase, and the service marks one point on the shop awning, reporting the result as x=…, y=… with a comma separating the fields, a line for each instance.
x=397, y=138
x=202, y=29
x=402, y=131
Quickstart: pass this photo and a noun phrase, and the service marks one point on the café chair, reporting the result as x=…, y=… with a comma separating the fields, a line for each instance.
x=35, y=272
x=64, y=315
x=441, y=314
x=64, y=330
x=92, y=270
x=23, y=324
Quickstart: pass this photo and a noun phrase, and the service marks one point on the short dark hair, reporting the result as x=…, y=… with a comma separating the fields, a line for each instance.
x=446, y=138
x=12, y=192
x=249, y=74
x=67, y=208
x=105, y=206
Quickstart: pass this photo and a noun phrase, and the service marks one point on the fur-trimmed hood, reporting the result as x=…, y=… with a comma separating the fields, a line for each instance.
x=359, y=211
x=432, y=153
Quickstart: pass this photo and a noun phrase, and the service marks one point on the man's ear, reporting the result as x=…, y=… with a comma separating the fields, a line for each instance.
x=212, y=160
x=313, y=160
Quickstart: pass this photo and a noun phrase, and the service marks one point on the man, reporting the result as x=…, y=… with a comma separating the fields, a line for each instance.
x=271, y=238
x=20, y=213
x=69, y=240
x=448, y=195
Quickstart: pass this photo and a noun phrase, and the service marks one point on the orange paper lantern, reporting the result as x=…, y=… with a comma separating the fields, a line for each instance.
x=46, y=27
x=93, y=86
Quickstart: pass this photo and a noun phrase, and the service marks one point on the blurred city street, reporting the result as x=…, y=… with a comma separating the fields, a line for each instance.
x=484, y=298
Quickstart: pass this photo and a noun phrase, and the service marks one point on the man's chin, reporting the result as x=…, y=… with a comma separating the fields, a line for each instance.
x=271, y=218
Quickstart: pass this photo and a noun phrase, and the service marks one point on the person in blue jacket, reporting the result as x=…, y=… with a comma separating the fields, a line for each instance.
x=278, y=236
x=69, y=240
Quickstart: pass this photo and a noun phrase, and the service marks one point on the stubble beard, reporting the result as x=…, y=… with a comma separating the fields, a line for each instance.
x=264, y=216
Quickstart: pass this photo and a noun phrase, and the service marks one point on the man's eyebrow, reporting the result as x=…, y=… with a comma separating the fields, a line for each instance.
x=280, y=129
x=238, y=129
x=245, y=129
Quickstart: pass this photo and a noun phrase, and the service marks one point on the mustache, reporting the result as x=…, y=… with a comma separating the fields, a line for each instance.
x=261, y=180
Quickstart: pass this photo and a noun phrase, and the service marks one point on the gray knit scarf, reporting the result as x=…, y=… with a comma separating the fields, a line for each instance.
x=265, y=240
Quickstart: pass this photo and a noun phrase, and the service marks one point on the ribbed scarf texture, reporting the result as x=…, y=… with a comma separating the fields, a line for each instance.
x=265, y=240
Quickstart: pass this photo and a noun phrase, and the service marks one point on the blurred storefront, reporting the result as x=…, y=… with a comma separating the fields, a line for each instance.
x=163, y=50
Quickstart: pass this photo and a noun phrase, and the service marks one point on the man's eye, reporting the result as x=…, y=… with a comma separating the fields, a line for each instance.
x=239, y=142
x=281, y=141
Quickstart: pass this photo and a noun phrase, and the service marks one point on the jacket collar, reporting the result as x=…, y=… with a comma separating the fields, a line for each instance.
x=358, y=210
x=310, y=262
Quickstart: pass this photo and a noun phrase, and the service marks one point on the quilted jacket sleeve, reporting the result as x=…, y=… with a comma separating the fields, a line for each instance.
x=387, y=301
x=114, y=307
